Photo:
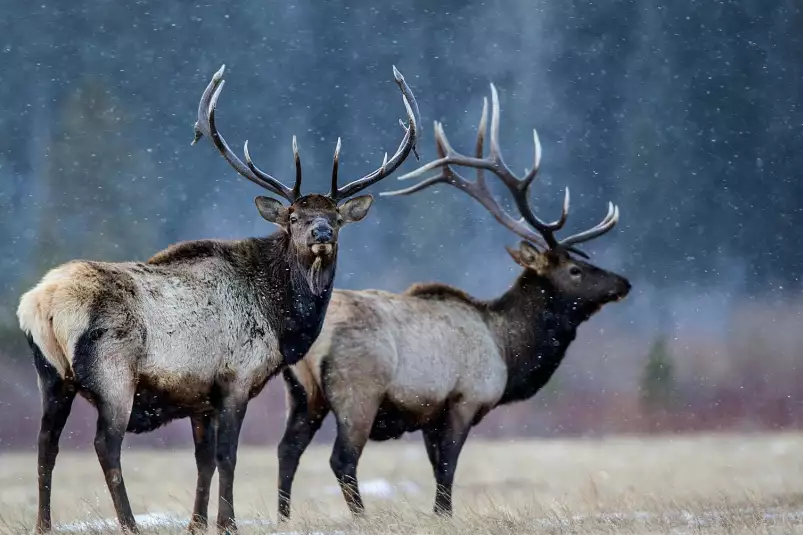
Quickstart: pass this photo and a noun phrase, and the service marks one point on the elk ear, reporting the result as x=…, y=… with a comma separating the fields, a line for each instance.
x=527, y=256
x=515, y=255
x=272, y=210
x=355, y=209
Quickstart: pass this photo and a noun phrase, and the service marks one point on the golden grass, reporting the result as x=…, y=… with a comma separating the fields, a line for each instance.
x=639, y=485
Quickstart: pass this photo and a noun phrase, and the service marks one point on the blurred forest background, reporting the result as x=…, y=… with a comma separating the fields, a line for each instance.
x=687, y=114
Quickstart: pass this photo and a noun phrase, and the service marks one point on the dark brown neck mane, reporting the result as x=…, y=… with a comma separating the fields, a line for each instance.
x=279, y=277
x=533, y=326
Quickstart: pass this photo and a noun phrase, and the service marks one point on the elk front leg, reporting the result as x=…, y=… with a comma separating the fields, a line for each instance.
x=229, y=422
x=431, y=436
x=447, y=441
x=203, y=434
x=57, y=398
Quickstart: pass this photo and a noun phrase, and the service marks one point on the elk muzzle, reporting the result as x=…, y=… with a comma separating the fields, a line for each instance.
x=621, y=289
x=322, y=239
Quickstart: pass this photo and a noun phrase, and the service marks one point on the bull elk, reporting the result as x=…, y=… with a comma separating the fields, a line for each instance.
x=434, y=358
x=197, y=330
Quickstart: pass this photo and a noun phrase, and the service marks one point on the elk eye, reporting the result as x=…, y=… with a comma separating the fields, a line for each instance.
x=575, y=271
x=294, y=219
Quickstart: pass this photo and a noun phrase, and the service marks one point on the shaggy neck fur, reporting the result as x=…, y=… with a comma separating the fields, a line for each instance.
x=284, y=281
x=534, y=326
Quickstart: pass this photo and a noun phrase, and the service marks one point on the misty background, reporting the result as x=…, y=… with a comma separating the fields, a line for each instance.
x=687, y=114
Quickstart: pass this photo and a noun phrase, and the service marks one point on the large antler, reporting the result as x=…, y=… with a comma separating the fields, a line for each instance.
x=205, y=126
x=518, y=187
x=477, y=189
x=388, y=166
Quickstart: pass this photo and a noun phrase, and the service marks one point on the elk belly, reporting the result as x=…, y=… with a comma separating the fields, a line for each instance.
x=394, y=420
x=159, y=400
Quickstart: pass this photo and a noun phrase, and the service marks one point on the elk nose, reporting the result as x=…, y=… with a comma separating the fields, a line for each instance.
x=322, y=234
x=625, y=287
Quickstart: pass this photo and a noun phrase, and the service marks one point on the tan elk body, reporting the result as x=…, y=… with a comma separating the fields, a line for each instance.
x=434, y=358
x=194, y=332
x=400, y=326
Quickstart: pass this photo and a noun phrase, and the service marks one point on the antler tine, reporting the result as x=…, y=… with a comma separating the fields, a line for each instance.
x=513, y=183
x=446, y=174
x=279, y=189
x=202, y=124
x=478, y=189
x=297, y=160
x=478, y=149
x=527, y=181
x=530, y=177
x=495, y=164
x=335, y=165
x=205, y=126
x=405, y=147
x=519, y=188
x=531, y=174
x=601, y=228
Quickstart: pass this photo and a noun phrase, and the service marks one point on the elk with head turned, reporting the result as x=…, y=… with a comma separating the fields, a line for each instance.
x=197, y=330
x=434, y=358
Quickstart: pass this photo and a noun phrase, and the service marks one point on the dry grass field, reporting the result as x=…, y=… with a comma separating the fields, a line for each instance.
x=672, y=484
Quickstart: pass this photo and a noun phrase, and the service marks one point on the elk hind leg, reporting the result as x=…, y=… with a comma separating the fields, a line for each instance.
x=57, y=398
x=103, y=368
x=353, y=430
x=448, y=439
x=114, y=411
x=305, y=415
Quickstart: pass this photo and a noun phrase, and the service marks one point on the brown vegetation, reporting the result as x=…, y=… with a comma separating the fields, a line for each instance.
x=749, y=483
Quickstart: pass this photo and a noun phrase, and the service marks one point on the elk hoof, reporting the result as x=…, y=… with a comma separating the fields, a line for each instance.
x=197, y=526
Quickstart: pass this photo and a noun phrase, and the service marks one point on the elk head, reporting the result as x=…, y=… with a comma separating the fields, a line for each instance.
x=311, y=221
x=582, y=286
x=556, y=263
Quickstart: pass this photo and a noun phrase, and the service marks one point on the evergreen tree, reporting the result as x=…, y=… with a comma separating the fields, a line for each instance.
x=658, y=378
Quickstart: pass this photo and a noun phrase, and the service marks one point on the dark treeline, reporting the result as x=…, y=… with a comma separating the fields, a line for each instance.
x=687, y=114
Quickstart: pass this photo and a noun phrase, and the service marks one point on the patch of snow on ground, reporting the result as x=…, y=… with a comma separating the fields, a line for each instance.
x=149, y=520
x=380, y=488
